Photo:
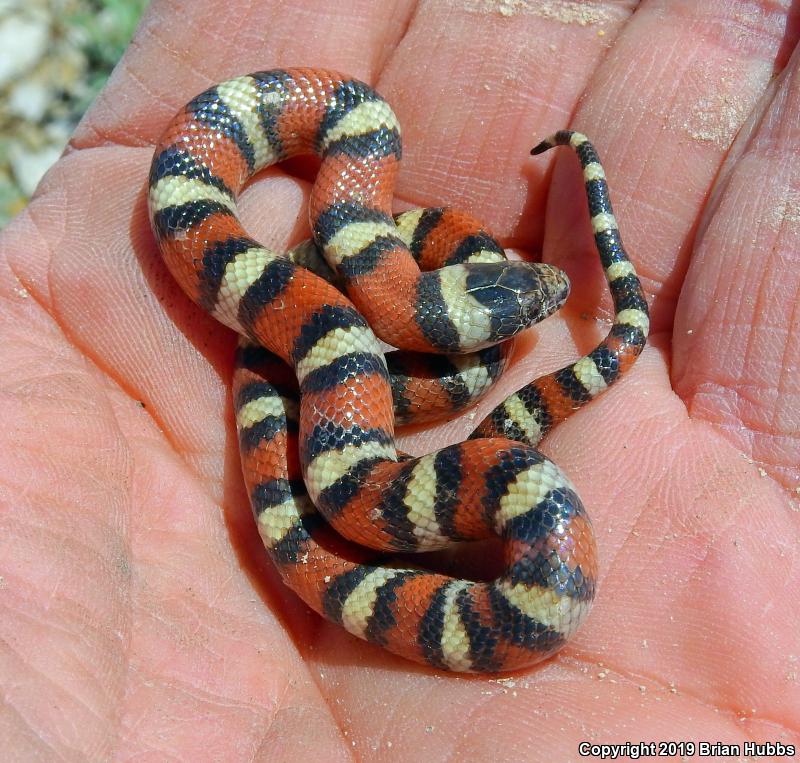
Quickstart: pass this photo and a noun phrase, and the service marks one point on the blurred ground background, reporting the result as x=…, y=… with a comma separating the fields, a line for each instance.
x=55, y=55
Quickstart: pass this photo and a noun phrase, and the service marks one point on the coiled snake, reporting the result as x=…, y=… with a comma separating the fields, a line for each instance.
x=336, y=451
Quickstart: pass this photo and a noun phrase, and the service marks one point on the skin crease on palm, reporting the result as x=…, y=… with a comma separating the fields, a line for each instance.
x=140, y=615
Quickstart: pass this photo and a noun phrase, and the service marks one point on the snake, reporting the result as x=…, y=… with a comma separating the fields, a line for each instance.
x=316, y=396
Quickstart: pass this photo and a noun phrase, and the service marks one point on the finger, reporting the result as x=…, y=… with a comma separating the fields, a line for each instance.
x=474, y=83
x=176, y=53
x=471, y=110
x=737, y=330
x=663, y=110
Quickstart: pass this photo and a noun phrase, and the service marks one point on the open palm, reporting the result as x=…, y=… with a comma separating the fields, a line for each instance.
x=140, y=614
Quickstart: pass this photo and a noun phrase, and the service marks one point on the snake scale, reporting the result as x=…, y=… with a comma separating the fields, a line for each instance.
x=315, y=397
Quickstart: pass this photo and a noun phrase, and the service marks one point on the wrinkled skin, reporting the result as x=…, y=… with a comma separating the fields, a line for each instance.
x=140, y=616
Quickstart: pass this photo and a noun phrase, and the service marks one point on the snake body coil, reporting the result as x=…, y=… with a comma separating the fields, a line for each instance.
x=302, y=336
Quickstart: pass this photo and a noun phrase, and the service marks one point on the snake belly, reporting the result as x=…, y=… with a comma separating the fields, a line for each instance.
x=330, y=492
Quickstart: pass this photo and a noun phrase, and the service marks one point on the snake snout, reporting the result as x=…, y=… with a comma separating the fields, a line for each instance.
x=517, y=294
x=549, y=293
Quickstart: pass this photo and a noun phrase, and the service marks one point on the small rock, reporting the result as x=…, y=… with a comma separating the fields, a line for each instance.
x=29, y=100
x=23, y=41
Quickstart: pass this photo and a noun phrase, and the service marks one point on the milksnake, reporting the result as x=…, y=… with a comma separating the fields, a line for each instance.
x=330, y=492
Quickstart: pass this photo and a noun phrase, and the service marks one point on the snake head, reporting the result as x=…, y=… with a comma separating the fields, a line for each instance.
x=516, y=294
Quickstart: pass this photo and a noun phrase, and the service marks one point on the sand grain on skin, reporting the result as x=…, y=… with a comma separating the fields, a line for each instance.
x=565, y=12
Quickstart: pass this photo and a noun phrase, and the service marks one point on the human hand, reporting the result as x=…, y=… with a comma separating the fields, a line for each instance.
x=141, y=613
